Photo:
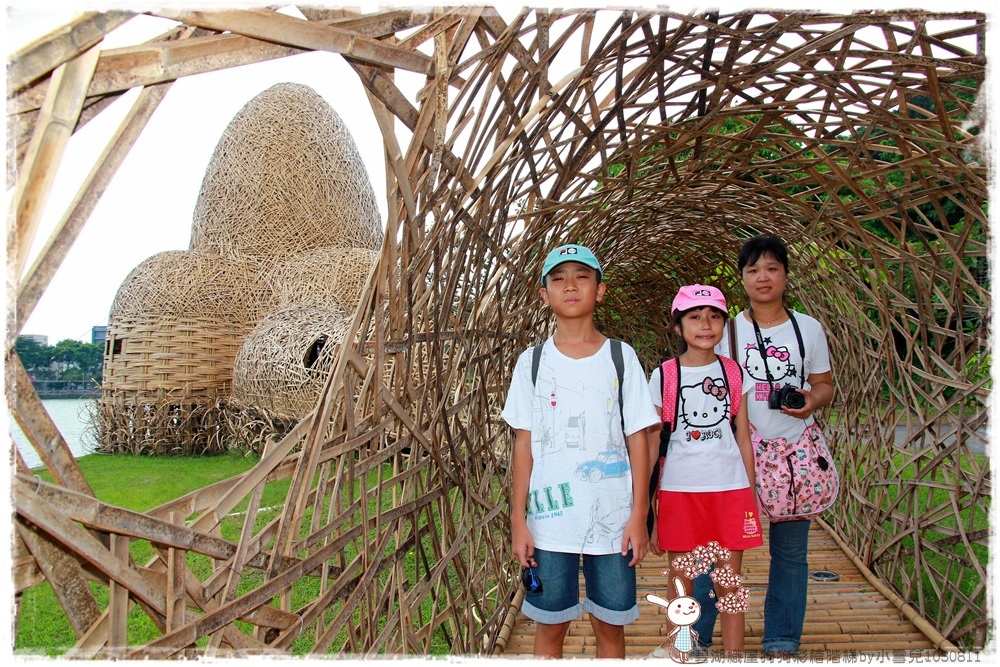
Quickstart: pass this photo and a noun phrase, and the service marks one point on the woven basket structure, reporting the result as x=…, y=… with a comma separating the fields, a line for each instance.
x=286, y=218
x=323, y=277
x=284, y=361
x=286, y=177
x=176, y=324
x=662, y=140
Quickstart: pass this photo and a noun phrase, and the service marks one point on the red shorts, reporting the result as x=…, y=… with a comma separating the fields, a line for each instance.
x=690, y=519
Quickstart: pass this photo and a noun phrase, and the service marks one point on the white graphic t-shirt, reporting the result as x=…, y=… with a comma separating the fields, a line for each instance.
x=781, y=354
x=703, y=455
x=580, y=492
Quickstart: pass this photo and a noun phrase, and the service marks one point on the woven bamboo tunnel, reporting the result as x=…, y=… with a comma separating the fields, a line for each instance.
x=662, y=140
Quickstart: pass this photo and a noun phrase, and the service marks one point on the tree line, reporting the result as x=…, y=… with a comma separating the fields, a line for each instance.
x=69, y=359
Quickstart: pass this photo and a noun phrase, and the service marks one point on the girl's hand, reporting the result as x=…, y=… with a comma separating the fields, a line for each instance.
x=654, y=543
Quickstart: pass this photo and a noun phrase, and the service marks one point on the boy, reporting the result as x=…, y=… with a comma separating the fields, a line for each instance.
x=580, y=485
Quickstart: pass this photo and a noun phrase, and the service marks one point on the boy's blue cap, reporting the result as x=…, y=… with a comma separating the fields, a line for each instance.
x=570, y=253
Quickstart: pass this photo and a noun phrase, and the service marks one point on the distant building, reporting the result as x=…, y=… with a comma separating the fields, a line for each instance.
x=98, y=335
x=38, y=338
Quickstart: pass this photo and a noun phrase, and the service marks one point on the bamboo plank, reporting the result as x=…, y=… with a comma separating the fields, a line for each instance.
x=44, y=436
x=60, y=46
x=63, y=572
x=118, y=603
x=87, y=548
x=850, y=615
x=275, y=27
x=52, y=130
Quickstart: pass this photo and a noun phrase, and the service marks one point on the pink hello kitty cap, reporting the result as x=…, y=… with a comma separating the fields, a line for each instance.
x=698, y=296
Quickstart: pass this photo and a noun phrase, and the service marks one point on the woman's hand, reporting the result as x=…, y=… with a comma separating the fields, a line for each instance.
x=819, y=395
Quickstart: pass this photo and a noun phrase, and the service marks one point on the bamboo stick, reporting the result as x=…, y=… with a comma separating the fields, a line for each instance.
x=50, y=258
x=52, y=131
x=60, y=46
x=65, y=576
x=44, y=436
x=905, y=607
x=118, y=599
x=275, y=27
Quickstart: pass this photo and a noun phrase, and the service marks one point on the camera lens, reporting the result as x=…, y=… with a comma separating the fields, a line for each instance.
x=794, y=399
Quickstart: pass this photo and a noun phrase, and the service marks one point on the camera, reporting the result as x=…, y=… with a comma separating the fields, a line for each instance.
x=531, y=581
x=787, y=396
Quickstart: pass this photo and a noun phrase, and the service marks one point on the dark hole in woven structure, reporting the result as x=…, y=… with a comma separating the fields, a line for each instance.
x=313, y=353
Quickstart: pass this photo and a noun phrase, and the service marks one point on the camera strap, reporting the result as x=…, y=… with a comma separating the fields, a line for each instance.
x=763, y=350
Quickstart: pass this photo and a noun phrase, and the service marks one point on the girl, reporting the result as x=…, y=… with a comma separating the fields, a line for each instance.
x=706, y=509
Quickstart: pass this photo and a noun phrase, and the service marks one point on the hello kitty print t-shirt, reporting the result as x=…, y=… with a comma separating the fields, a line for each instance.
x=781, y=356
x=703, y=454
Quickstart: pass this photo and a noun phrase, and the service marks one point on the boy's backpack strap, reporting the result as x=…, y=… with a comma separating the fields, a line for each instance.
x=536, y=358
x=619, y=361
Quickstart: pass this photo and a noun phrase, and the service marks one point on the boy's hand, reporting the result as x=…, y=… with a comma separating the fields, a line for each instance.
x=635, y=535
x=524, y=545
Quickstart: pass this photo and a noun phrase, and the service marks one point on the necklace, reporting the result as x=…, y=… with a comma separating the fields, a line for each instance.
x=767, y=323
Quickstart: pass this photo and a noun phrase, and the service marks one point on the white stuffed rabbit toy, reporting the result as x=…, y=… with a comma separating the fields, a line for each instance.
x=682, y=611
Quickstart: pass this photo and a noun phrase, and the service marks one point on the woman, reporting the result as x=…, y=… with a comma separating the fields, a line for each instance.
x=769, y=350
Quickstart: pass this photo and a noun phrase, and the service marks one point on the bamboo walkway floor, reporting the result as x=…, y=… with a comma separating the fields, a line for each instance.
x=844, y=618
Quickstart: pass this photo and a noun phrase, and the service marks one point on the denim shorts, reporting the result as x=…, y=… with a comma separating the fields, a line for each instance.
x=611, y=592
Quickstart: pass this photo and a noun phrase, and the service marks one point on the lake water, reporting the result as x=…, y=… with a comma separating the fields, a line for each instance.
x=70, y=416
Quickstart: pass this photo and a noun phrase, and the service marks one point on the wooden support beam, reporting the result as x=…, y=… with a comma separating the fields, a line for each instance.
x=168, y=59
x=172, y=642
x=102, y=517
x=34, y=509
x=156, y=62
x=37, y=59
x=175, y=584
x=38, y=277
x=34, y=420
x=26, y=572
x=274, y=27
x=64, y=574
x=52, y=132
x=118, y=603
